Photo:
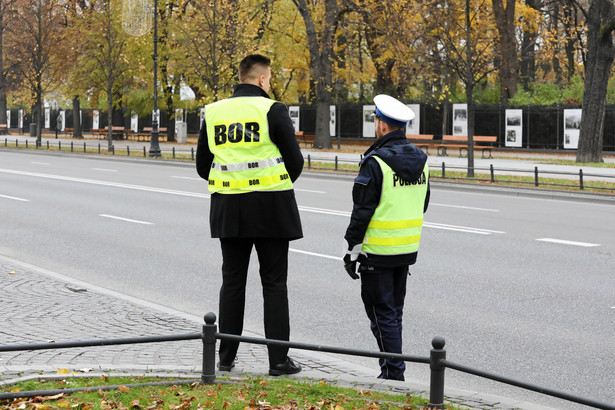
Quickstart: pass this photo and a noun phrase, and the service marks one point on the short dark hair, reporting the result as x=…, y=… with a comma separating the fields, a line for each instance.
x=246, y=65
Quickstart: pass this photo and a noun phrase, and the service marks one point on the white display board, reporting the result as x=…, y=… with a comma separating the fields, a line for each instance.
x=572, y=127
x=514, y=128
x=95, y=120
x=369, y=128
x=8, y=118
x=20, y=119
x=47, y=118
x=460, y=119
x=202, y=118
x=134, y=122
x=156, y=116
x=179, y=116
x=332, y=121
x=293, y=111
x=61, y=121
x=414, y=126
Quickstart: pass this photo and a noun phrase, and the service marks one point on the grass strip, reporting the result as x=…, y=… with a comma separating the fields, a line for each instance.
x=244, y=393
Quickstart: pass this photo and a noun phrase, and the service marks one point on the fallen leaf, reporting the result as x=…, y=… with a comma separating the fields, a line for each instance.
x=54, y=397
x=63, y=371
x=12, y=272
x=124, y=389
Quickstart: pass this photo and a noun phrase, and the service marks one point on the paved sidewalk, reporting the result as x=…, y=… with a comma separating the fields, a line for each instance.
x=40, y=306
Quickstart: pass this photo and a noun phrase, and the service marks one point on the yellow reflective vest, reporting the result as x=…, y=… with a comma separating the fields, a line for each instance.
x=245, y=159
x=395, y=227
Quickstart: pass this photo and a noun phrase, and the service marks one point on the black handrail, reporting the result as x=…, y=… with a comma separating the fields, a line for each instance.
x=210, y=335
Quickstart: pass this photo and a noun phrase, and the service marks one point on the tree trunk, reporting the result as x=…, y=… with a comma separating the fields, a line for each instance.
x=600, y=55
x=469, y=80
x=110, y=113
x=3, y=119
x=321, y=61
x=570, y=25
x=39, y=111
x=509, y=63
x=2, y=76
x=384, y=66
x=77, y=118
x=528, y=51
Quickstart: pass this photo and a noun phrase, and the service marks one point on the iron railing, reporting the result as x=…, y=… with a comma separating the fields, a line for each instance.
x=209, y=335
x=537, y=177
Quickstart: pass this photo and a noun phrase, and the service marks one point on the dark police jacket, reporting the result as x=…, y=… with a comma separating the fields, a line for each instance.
x=408, y=162
x=257, y=214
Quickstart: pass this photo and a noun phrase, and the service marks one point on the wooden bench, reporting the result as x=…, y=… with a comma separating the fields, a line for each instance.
x=461, y=142
x=308, y=140
x=421, y=140
x=146, y=134
x=103, y=133
x=4, y=129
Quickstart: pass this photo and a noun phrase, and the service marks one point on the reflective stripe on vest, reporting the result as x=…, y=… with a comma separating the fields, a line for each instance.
x=395, y=229
x=245, y=159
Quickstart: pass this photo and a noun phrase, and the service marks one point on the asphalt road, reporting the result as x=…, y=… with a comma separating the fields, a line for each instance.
x=518, y=285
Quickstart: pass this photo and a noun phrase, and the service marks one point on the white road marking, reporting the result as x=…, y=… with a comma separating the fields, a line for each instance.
x=565, y=242
x=14, y=198
x=105, y=183
x=465, y=207
x=105, y=170
x=309, y=190
x=119, y=218
x=190, y=178
x=434, y=225
x=39, y=163
x=320, y=255
x=324, y=211
x=467, y=229
x=198, y=195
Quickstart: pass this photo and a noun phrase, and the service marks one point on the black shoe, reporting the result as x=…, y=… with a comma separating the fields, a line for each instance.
x=226, y=367
x=287, y=367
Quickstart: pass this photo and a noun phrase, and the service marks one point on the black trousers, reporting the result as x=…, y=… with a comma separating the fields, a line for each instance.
x=383, y=291
x=273, y=262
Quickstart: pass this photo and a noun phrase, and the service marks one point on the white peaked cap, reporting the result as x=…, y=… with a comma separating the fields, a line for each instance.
x=389, y=108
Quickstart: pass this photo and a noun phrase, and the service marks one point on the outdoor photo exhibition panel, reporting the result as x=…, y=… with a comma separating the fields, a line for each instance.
x=414, y=126
x=293, y=110
x=514, y=128
x=369, y=129
x=572, y=125
x=460, y=119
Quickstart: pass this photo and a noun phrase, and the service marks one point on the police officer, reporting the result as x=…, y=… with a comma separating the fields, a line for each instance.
x=390, y=195
x=248, y=152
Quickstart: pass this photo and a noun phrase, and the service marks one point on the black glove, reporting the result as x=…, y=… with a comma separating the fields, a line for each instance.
x=351, y=267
